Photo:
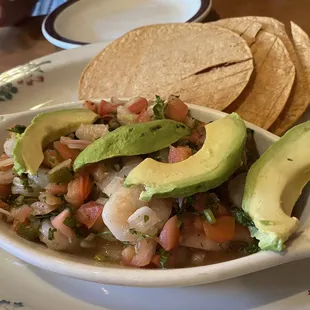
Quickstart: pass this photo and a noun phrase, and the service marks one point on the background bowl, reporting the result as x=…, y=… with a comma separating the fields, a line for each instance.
x=87, y=269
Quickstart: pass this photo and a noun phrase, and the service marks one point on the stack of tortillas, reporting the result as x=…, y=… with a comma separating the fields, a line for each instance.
x=247, y=64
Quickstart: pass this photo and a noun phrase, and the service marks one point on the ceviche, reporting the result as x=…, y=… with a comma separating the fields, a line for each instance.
x=124, y=182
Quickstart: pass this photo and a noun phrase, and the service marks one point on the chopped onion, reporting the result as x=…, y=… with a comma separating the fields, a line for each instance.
x=91, y=132
x=144, y=220
x=89, y=242
x=6, y=177
x=102, y=200
x=198, y=240
x=59, y=242
x=113, y=186
x=41, y=178
x=50, y=199
x=103, y=176
x=8, y=146
x=41, y=208
x=6, y=162
x=18, y=188
x=150, y=110
x=124, y=116
x=115, y=100
x=236, y=189
x=75, y=144
x=129, y=164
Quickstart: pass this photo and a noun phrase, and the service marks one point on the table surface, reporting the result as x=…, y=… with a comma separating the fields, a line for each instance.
x=25, y=42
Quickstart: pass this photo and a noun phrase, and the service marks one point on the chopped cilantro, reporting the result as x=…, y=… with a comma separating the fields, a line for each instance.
x=242, y=218
x=70, y=221
x=159, y=108
x=146, y=218
x=180, y=224
x=190, y=200
x=251, y=248
x=164, y=256
x=139, y=234
x=17, y=129
x=51, y=233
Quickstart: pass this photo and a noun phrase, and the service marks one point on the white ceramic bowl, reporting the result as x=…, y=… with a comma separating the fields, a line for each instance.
x=298, y=247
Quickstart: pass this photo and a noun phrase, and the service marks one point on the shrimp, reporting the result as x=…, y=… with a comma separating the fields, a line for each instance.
x=124, y=203
x=139, y=255
x=121, y=205
x=56, y=240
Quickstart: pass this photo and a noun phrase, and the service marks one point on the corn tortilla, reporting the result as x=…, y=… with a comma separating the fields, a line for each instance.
x=266, y=94
x=248, y=29
x=298, y=101
x=161, y=56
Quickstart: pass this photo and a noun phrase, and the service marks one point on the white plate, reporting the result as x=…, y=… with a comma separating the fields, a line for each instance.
x=79, y=22
x=46, y=81
x=284, y=287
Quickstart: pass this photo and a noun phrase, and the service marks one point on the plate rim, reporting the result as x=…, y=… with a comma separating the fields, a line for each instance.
x=57, y=39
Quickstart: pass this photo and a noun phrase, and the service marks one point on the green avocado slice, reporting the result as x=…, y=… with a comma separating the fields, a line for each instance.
x=134, y=139
x=212, y=165
x=273, y=185
x=45, y=128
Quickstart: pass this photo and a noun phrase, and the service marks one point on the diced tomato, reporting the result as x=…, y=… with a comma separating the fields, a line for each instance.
x=137, y=105
x=176, y=109
x=90, y=106
x=78, y=190
x=221, y=231
x=4, y=205
x=51, y=158
x=143, y=117
x=88, y=213
x=156, y=260
x=65, y=152
x=5, y=190
x=56, y=189
x=179, y=153
x=22, y=214
x=7, y=166
x=170, y=234
x=107, y=108
x=194, y=137
x=58, y=223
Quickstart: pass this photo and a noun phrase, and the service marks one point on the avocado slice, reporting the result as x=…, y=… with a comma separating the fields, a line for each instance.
x=133, y=139
x=45, y=128
x=218, y=158
x=273, y=185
